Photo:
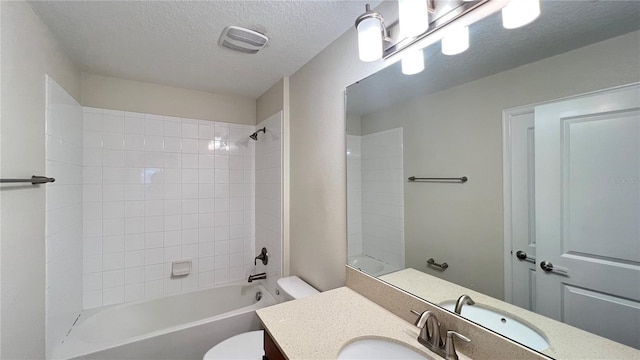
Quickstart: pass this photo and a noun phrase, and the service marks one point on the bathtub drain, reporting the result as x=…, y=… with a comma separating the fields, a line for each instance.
x=258, y=295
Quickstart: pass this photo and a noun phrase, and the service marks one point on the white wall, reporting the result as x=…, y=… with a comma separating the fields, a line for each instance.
x=383, y=182
x=29, y=52
x=318, y=161
x=64, y=213
x=159, y=189
x=268, y=190
x=127, y=95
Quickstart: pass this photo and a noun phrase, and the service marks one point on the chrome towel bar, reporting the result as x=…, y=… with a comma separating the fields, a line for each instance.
x=442, y=266
x=35, y=180
x=460, y=179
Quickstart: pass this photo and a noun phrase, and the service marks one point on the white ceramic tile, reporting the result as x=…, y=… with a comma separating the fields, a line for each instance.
x=189, y=131
x=172, y=237
x=113, y=296
x=134, y=159
x=205, y=279
x=153, y=143
x=172, y=253
x=134, y=292
x=153, y=289
x=112, y=244
x=153, y=256
x=173, y=129
x=112, y=278
x=113, y=261
x=113, y=141
x=154, y=127
x=113, y=158
x=190, y=161
x=172, y=223
x=134, y=142
x=92, y=299
x=153, y=240
x=134, y=125
x=153, y=272
x=134, y=258
x=189, y=146
x=133, y=242
x=113, y=123
x=92, y=281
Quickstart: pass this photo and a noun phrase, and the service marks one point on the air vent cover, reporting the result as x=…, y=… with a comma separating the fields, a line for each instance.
x=243, y=40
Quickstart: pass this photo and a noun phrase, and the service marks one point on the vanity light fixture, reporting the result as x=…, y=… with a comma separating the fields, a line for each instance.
x=450, y=23
x=519, y=13
x=456, y=41
x=371, y=35
x=414, y=20
x=413, y=62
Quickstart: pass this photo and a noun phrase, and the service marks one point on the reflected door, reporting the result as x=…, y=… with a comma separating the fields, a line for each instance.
x=520, y=208
x=587, y=175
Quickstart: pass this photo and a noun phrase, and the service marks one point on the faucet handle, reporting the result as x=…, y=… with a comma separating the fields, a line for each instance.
x=450, y=348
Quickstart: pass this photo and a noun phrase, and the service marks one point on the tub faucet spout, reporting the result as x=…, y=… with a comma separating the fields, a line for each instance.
x=257, y=277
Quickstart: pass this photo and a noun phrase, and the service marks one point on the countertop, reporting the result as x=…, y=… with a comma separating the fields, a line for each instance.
x=319, y=326
x=566, y=342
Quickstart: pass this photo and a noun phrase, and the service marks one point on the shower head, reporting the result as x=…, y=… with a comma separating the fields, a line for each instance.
x=254, y=136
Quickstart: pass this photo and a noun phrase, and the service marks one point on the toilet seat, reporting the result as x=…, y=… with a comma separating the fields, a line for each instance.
x=247, y=346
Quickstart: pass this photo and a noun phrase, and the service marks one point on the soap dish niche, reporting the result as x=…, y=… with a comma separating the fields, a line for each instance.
x=180, y=268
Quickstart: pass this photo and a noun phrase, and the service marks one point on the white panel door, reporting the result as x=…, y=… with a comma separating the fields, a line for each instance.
x=587, y=176
x=520, y=182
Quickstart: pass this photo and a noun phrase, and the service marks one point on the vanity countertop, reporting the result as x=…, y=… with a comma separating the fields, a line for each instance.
x=319, y=326
x=566, y=342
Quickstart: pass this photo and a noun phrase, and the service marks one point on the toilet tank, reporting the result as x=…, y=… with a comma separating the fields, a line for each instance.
x=295, y=288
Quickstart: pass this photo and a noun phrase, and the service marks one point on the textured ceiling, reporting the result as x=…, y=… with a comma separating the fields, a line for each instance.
x=176, y=42
x=561, y=27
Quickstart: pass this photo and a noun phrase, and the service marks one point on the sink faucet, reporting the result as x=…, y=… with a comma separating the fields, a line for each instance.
x=464, y=299
x=430, y=336
x=257, y=277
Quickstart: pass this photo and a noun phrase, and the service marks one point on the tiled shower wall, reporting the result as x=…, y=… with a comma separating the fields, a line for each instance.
x=158, y=189
x=354, y=195
x=63, y=213
x=383, y=196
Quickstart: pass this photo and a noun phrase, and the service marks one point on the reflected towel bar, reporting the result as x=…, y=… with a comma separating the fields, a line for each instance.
x=35, y=180
x=460, y=179
x=442, y=266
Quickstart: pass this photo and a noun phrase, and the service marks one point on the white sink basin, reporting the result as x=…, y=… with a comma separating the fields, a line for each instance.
x=378, y=349
x=502, y=324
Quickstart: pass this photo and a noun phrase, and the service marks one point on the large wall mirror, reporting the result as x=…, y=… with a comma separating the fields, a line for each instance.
x=549, y=172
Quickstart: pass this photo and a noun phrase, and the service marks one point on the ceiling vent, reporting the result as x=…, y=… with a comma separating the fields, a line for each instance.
x=243, y=40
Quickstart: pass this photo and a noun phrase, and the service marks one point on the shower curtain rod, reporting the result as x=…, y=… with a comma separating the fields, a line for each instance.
x=35, y=180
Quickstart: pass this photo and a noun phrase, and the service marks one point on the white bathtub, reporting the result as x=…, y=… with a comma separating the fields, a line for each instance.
x=182, y=326
x=371, y=265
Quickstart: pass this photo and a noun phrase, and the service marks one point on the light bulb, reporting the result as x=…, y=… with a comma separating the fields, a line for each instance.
x=413, y=62
x=413, y=16
x=456, y=41
x=519, y=13
x=370, y=40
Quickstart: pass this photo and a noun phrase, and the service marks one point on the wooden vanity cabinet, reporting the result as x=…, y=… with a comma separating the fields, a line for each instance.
x=271, y=350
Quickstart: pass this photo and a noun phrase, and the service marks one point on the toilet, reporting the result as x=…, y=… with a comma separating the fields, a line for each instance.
x=249, y=345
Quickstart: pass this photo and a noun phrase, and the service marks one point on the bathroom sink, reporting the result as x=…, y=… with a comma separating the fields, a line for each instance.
x=378, y=349
x=502, y=324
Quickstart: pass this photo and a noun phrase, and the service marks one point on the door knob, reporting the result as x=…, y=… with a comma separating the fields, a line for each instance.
x=523, y=256
x=548, y=267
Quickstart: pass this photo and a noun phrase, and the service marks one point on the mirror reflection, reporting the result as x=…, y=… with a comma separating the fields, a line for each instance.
x=543, y=121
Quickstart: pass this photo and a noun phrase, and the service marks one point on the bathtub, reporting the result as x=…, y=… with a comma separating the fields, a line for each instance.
x=183, y=326
x=371, y=265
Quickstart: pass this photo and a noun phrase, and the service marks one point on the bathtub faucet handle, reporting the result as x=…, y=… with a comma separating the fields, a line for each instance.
x=264, y=256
